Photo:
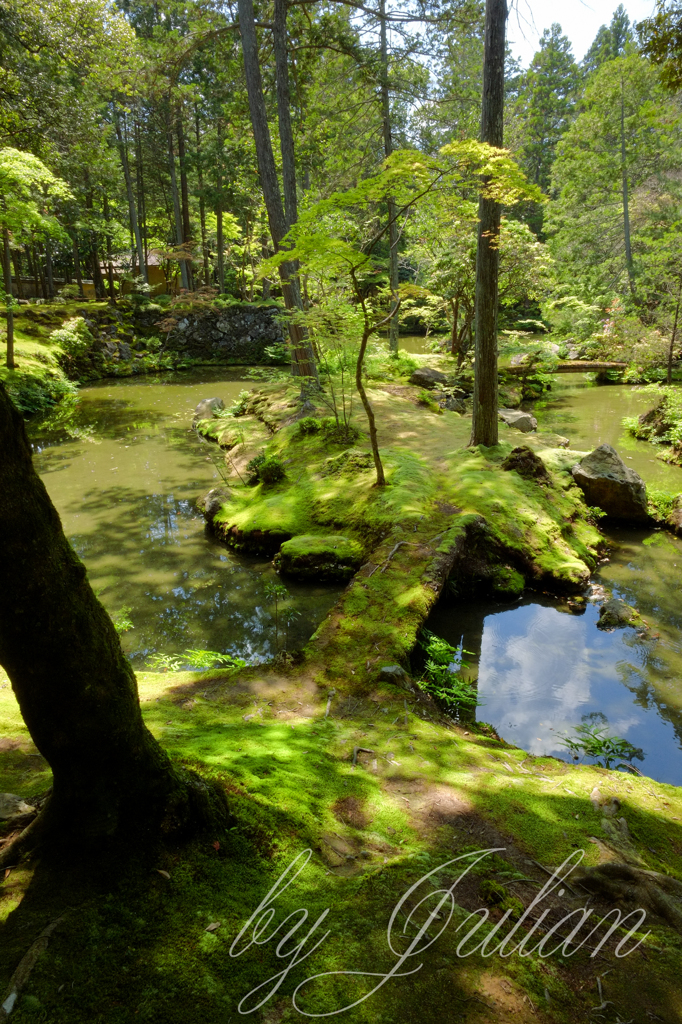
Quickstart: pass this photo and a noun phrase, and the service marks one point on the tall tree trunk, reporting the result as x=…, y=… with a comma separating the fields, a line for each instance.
x=9, y=314
x=626, y=205
x=33, y=269
x=302, y=356
x=202, y=202
x=141, y=204
x=177, y=212
x=393, y=323
x=484, y=425
x=454, y=334
x=49, y=277
x=132, y=212
x=77, y=268
x=76, y=689
x=674, y=334
x=16, y=259
x=41, y=271
x=286, y=135
x=184, y=196
x=110, y=266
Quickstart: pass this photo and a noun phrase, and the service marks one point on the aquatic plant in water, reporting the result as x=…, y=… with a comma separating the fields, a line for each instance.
x=443, y=677
x=591, y=739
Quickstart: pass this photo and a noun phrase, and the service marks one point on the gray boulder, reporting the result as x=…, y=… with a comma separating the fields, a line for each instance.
x=207, y=408
x=452, y=404
x=211, y=502
x=522, y=421
x=520, y=359
x=616, y=614
x=610, y=485
x=675, y=518
x=427, y=377
x=395, y=674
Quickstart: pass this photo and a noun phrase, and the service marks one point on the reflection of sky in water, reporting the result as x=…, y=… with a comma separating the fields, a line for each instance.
x=541, y=670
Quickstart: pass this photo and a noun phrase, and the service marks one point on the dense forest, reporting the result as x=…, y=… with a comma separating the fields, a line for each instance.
x=340, y=491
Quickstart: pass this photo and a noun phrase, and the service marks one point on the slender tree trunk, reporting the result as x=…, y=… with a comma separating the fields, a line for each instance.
x=110, y=266
x=141, y=204
x=16, y=258
x=132, y=212
x=674, y=334
x=48, y=269
x=9, y=314
x=41, y=272
x=33, y=267
x=202, y=203
x=77, y=268
x=369, y=411
x=393, y=324
x=626, y=204
x=303, y=358
x=76, y=689
x=484, y=425
x=454, y=305
x=177, y=212
x=184, y=197
x=221, y=247
x=286, y=135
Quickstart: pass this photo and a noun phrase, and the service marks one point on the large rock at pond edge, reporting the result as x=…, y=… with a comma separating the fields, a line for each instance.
x=211, y=503
x=427, y=377
x=12, y=806
x=319, y=558
x=522, y=421
x=207, y=408
x=612, y=486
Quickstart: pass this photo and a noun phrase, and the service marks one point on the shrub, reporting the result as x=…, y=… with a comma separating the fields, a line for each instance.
x=268, y=469
x=32, y=395
x=443, y=679
x=73, y=337
x=309, y=425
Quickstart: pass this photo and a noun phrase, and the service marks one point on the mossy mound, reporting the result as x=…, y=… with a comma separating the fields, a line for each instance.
x=324, y=558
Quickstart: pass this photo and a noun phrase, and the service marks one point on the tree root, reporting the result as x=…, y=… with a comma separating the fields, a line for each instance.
x=650, y=890
x=23, y=971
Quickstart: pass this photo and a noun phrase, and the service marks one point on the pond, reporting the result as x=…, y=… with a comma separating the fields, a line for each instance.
x=124, y=470
x=542, y=669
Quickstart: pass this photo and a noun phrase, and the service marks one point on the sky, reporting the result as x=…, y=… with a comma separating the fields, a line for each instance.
x=579, y=19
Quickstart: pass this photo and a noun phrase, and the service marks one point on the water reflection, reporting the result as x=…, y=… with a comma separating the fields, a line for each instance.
x=124, y=469
x=541, y=668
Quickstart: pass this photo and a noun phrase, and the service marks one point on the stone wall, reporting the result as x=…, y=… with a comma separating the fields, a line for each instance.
x=238, y=334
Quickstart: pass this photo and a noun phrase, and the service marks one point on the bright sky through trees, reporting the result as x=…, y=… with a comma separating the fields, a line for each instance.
x=579, y=19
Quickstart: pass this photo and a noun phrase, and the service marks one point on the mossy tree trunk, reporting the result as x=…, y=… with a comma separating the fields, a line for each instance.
x=76, y=690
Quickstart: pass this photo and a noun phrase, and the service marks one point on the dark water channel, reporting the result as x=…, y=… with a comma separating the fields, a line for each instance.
x=124, y=471
x=541, y=667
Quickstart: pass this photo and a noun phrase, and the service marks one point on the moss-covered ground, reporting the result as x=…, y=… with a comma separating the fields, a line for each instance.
x=422, y=793
x=371, y=782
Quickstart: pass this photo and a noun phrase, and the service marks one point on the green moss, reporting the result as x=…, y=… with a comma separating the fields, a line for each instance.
x=332, y=557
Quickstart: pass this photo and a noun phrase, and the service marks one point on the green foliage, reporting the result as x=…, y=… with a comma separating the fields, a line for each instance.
x=309, y=425
x=197, y=658
x=591, y=739
x=443, y=679
x=427, y=399
x=662, y=425
x=122, y=621
x=268, y=469
x=660, y=504
x=240, y=404
x=33, y=395
x=571, y=317
x=73, y=337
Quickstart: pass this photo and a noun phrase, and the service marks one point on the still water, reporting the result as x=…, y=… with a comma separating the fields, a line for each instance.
x=124, y=471
x=541, y=668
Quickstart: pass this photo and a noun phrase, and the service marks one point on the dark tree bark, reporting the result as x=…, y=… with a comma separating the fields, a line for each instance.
x=132, y=211
x=484, y=425
x=177, y=212
x=41, y=273
x=49, y=277
x=16, y=259
x=77, y=268
x=286, y=135
x=110, y=266
x=393, y=323
x=184, y=197
x=302, y=356
x=202, y=202
x=76, y=690
x=669, y=378
x=9, y=315
x=626, y=202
